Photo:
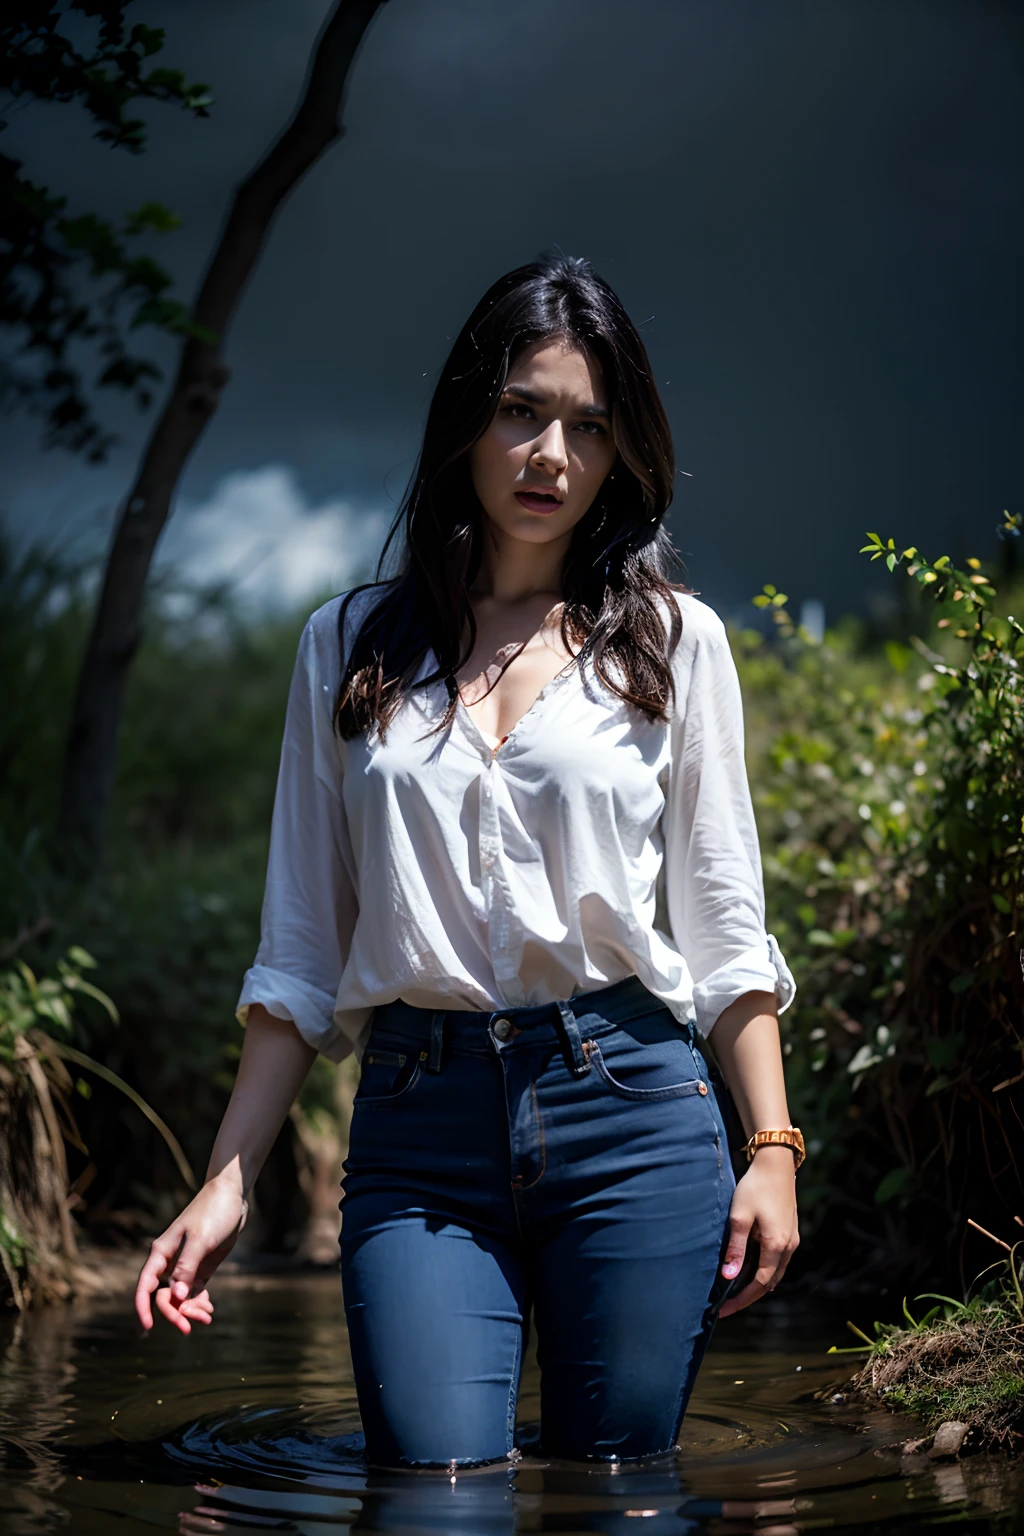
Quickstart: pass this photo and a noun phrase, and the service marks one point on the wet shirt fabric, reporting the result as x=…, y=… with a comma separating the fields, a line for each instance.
x=590, y=845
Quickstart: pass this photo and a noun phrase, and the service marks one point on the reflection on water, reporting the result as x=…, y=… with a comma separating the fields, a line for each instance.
x=253, y=1426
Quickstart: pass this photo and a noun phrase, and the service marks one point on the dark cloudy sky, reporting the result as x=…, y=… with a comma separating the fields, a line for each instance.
x=814, y=208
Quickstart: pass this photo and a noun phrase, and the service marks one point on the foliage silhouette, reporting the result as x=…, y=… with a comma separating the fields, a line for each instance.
x=70, y=278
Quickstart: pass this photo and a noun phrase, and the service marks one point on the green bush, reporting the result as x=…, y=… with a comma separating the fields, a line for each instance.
x=890, y=793
x=173, y=918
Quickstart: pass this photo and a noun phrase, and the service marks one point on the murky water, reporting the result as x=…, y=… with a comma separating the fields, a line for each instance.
x=253, y=1426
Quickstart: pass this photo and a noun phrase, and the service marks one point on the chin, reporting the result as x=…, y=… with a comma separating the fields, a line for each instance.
x=532, y=528
x=538, y=532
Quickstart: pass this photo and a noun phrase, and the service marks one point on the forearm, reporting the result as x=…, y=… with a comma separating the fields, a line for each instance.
x=274, y=1065
x=746, y=1044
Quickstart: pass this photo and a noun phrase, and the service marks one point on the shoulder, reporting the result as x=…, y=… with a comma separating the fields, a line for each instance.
x=320, y=645
x=702, y=627
x=702, y=664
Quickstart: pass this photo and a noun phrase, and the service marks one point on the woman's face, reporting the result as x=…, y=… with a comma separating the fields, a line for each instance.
x=540, y=463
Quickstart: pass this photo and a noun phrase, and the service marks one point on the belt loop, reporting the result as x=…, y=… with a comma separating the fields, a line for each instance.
x=694, y=1038
x=575, y=1056
x=436, y=1042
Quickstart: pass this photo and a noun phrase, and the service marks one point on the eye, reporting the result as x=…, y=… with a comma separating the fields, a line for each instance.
x=593, y=428
x=515, y=406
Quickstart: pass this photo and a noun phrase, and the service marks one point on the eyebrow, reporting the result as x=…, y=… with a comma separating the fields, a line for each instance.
x=532, y=397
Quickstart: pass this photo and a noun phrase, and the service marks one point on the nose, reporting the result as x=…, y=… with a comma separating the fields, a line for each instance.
x=549, y=451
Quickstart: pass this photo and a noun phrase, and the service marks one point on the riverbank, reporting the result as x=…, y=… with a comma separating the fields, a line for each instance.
x=962, y=1376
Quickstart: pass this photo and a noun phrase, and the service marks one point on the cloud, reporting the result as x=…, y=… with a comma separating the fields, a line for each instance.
x=258, y=532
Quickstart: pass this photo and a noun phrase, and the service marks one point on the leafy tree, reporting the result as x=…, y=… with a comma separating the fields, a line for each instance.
x=68, y=277
x=91, y=756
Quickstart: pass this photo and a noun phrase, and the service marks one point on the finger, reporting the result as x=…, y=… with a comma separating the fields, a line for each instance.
x=750, y=1292
x=735, y=1253
x=183, y=1275
x=197, y=1310
x=773, y=1260
x=171, y=1310
x=161, y=1255
x=784, y=1261
x=196, y=1314
x=772, y=1251
x=200, y=1303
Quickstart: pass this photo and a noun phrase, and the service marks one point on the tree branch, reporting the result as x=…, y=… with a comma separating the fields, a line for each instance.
x=91, y=754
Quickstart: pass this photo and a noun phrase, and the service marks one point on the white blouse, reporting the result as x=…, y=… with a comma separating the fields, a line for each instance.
x=591, y=844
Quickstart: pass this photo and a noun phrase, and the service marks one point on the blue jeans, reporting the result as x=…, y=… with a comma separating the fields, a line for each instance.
x=568, y=1161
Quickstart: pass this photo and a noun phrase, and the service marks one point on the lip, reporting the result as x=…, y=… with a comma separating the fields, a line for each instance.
x=539, y=498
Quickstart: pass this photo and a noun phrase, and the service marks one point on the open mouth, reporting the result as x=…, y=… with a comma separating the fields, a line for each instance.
x=538, y=501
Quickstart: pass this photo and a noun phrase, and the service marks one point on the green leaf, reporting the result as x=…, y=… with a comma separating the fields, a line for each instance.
x=76, y=984
x=934, y=1296
x=1000, y=903
x=866, y=1056
x=894, y=1183
x=897, y=655
x=152, y=216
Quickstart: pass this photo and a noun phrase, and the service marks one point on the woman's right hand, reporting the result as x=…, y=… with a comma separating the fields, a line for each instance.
x=188, y=1253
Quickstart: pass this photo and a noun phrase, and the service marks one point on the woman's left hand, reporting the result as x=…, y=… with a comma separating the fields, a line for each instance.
x=764, y=1207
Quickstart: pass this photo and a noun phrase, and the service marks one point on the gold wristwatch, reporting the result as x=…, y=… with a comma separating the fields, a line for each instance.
x=790, y=1137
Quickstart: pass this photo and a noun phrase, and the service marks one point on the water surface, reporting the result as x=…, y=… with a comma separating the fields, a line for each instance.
x=252, y=1425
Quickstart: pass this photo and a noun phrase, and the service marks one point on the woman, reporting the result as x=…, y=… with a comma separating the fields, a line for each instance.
x=514, y=864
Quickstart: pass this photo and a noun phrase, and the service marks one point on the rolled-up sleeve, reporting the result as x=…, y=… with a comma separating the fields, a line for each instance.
x=713, y=878
x=310, y=904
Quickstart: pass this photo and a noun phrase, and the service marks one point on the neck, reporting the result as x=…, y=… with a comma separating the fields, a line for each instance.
x=512, y=571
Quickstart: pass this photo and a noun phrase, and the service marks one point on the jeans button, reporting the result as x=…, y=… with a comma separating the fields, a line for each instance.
x=702, y=1089
x=502, y=1028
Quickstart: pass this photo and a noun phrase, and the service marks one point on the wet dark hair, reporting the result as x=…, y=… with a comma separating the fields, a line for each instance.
x=617, y=565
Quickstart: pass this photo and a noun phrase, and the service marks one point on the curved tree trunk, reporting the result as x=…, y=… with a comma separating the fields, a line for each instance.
x=91, y=753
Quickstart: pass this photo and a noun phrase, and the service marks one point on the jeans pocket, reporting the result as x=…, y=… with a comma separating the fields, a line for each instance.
x=648, y=1072
x=387, y=1075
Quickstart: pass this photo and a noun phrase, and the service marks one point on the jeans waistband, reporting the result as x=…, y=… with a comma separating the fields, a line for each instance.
x=604, y=1010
